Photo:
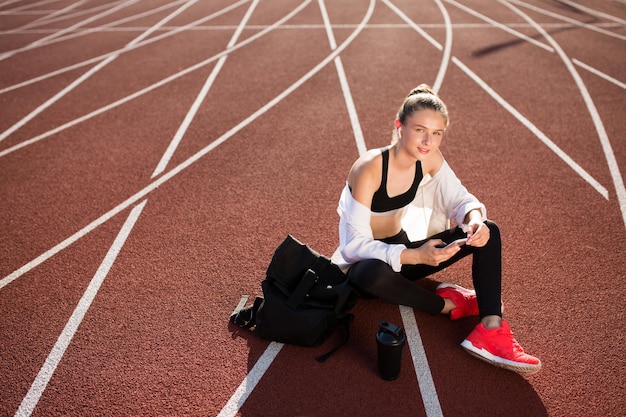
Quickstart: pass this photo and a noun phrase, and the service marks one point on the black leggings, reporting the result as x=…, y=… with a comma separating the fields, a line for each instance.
x=376, y=278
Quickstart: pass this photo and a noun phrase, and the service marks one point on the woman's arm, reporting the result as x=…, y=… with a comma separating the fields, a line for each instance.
x=356, y=240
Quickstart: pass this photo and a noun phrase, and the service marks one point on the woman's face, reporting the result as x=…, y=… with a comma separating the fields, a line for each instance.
x=422, y=132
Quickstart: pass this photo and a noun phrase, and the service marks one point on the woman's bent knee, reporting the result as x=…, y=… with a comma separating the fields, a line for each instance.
x=367, y=275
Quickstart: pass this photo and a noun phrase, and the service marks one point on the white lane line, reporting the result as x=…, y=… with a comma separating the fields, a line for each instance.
x=327, y=25
x=182, y=129
x=61, y=32
x=192, y=159
x=534, y=129
x=354, y=119
x=413, y=25
x=577, y=168
x=60, y=15
x=618, y=181
x=47, y=18
x=447, y=49
x=445, y=60
x=54, y=357
x=99, y=58
x=91, y=72
x=181, y=167
x=240, y=396
x=343, y=81
x=45, y=374
x=576, y=23
x=154, y=86
x=197, y=24
x=420, y=363
x=8, y=2
x=499, y=25
x=251, y=380
x=106, y=27
x=569, y=161
x=18, y=9
x=600, y=74
x=425, y=381
x=593, y=12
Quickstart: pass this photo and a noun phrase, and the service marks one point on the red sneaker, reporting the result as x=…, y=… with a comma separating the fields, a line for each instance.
x=463, y=299
x=499, y=347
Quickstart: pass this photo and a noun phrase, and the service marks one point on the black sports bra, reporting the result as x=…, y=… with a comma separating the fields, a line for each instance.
x=381, y=202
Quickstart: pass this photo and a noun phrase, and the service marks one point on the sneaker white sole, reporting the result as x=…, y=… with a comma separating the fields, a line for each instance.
x=520, y=368
x=451, y=285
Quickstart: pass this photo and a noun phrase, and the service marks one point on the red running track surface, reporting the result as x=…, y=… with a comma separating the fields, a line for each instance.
x=154, y=153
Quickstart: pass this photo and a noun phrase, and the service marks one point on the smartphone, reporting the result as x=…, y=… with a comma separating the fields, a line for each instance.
x=458, y=242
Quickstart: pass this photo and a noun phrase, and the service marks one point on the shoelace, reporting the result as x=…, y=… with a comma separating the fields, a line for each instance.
x=516, y=348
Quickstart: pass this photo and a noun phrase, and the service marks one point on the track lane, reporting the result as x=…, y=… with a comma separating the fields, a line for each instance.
x=139, y=145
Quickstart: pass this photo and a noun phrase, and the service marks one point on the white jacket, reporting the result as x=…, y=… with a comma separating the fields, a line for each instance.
x=439, y=199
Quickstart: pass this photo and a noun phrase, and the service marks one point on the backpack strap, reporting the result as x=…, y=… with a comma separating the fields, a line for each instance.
x=304, y=286
x=320, y=264
x=246, y=317
x=345, y=320
x=310, y=277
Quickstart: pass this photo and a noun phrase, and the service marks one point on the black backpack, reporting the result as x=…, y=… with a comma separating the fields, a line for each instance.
x=305, y=298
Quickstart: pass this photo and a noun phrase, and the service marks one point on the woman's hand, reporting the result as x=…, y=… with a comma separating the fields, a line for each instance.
x=477, y=231
x=430, y=253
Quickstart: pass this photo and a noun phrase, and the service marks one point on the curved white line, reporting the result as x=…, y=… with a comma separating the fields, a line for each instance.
x=343, y=81
x=618, y=181
x=425, y=381
x=534, y=129
x=599, y=74
x=413, y=25
x=568, y=20
x=499, y=25
x=445, y=59
x=593, y=12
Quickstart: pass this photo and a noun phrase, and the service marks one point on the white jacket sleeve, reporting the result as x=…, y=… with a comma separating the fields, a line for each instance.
x=452, y=198
x=438, y=200
x=356, y=241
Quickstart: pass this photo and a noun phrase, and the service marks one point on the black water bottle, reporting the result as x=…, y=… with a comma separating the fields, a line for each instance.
x=390, y=340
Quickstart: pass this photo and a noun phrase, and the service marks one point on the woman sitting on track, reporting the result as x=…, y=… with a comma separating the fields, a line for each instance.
x=383, y=186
